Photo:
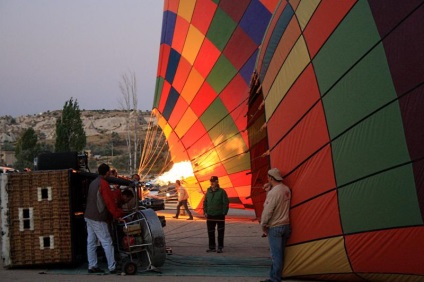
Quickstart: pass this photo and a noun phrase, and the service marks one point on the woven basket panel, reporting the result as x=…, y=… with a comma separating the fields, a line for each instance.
x=50, y=218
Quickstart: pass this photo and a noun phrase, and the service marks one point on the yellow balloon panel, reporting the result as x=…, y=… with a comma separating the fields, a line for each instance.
x=161, y=120
x=257, y=132
x=192, y=85
x=193, y=43
x=206, y=162
x=318, y=257
x=237, y=163
x=296, y=62
x=194, y=190
x=188, y=119
x=284, y=47
x=232, y=146
x=167, y=130
x=185, y=9
x=305, y=11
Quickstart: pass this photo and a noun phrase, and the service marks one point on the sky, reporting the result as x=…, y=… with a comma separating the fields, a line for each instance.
x=55, y=50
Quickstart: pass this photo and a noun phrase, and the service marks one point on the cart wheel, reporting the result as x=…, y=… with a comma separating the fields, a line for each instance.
x=130, y=268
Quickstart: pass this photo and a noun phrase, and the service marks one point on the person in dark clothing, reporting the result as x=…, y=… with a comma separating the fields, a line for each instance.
x=215, y=206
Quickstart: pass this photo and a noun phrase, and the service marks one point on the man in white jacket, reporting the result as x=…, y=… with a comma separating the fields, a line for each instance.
x=182, y=200
x=275, y=222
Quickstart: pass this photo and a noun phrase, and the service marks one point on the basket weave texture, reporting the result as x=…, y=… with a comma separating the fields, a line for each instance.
x=50, y=219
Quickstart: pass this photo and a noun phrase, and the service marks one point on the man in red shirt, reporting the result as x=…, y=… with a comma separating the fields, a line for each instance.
x=100, y=206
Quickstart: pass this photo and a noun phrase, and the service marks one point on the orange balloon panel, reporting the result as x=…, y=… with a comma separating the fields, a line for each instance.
x=181, y=75
x=178, y=151
x=185, y=9
x=193, y=83
x=193, y=43
x=186, y=122
x=179, y=110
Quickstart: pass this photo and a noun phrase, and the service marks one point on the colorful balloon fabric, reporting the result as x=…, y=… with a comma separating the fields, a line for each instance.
x=342, y=86
x=207, y=56
x=336, y=102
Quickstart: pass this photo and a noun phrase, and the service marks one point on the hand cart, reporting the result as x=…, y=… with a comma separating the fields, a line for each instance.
x=140, y=241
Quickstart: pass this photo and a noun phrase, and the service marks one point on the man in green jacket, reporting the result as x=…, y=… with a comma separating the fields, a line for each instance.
x=215, y=206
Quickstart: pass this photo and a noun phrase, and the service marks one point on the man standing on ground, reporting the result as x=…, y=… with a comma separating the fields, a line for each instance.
x=100, y=205
x=182, y=200
x=275, y=222
x=215, y=207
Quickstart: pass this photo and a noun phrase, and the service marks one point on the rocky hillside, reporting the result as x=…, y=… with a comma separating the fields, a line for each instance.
x=96, y=123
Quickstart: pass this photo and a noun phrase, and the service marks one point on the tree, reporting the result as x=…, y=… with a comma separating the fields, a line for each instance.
x=70, y=134
x=26, y=149
x=128, y=87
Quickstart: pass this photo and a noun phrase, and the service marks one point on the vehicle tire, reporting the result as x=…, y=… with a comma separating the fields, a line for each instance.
x=130, y=268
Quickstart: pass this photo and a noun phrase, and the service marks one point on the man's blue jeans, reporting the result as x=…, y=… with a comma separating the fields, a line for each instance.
x=277, y=238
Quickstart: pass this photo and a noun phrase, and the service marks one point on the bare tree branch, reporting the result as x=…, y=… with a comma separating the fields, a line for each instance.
x=128, y=87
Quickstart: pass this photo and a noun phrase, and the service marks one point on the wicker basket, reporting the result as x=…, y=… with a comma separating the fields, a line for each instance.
x=39, y=220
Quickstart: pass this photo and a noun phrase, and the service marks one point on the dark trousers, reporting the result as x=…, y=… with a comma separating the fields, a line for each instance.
x=212, y=222
x=183, y=203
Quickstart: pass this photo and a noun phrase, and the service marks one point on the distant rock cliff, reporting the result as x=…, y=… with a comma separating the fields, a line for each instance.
x=96, y=122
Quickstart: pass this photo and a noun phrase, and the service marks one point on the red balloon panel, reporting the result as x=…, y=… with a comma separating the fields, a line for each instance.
x=163, y=59
x=164, y=96
x=387, y=251
x=324, y=21
x=172, y=5
x=236, y=55
x=183, y=70
x=203, y=14
x=318, y=218
x=203, y=99
x=195, y=132
x=312, y=178
x=179, y=37
x=303, y=141
x=207, y=57
x=302, y=96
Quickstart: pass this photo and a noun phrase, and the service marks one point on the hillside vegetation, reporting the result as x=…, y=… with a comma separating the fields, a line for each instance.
x=105, y=130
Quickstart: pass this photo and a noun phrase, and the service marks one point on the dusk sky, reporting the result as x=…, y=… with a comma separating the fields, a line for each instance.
x=52, y=50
